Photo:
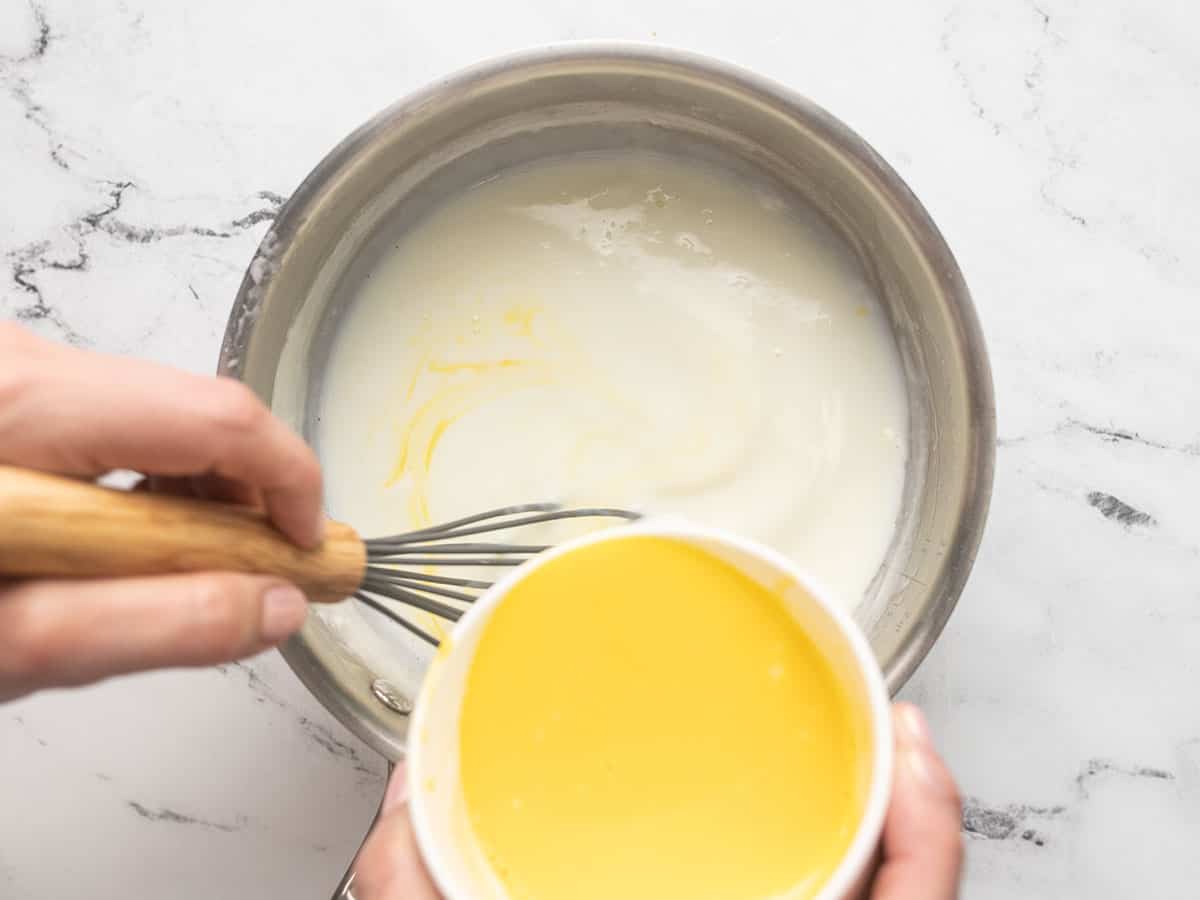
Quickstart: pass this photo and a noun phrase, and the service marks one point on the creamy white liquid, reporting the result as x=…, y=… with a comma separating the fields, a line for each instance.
x=626, y=331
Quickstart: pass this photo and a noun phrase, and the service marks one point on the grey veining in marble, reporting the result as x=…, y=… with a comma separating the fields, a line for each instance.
x=144, y=146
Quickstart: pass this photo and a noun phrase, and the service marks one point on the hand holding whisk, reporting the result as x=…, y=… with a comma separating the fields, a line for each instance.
x=52, y=526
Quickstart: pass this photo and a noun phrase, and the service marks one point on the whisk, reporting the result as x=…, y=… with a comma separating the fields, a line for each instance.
x=59, y=527
x=388, y=571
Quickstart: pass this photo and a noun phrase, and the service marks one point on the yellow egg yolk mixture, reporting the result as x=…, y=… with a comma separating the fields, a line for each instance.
x=643, y=720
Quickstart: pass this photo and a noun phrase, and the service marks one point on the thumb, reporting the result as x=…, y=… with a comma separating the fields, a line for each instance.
x=61, y=633
x=922, y=840
x=389, y=866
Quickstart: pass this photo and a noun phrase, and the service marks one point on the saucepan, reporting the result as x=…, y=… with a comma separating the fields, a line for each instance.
x=604, y=97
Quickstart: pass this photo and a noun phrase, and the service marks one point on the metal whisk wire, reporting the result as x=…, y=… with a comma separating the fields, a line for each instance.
x=387, y=574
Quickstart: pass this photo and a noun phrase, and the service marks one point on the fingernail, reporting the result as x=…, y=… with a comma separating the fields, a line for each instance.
x=914, y=729
x=917, y=762
x=397, y=791
x=318, y=531
x=311, y=535
x=928, y=771
x=283, y=611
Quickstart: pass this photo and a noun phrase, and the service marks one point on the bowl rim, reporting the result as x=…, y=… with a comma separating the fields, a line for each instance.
x=301, y=652
x=856, y=858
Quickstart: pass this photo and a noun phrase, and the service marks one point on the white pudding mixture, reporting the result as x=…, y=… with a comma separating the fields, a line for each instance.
x=624, y=331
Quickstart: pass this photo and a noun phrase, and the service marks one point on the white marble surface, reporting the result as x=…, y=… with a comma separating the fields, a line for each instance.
x=143, y=145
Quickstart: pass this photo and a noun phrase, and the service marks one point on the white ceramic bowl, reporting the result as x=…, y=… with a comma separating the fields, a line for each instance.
x=437, y=805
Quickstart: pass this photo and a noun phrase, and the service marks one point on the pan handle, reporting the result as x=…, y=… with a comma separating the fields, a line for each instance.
x=344, y=889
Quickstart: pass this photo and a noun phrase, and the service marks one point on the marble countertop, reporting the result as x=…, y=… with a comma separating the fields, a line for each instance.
x=145, y=146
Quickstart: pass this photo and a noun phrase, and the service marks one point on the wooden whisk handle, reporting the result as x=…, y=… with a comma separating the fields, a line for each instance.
x=62, y=528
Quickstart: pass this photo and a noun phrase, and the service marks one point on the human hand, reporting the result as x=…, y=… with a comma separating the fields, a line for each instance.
x=389, y=865
x=83, y=414
x=922, y=836
x=922, y=842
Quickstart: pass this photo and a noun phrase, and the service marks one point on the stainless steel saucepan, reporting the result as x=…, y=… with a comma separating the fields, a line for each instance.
x=597, y=97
